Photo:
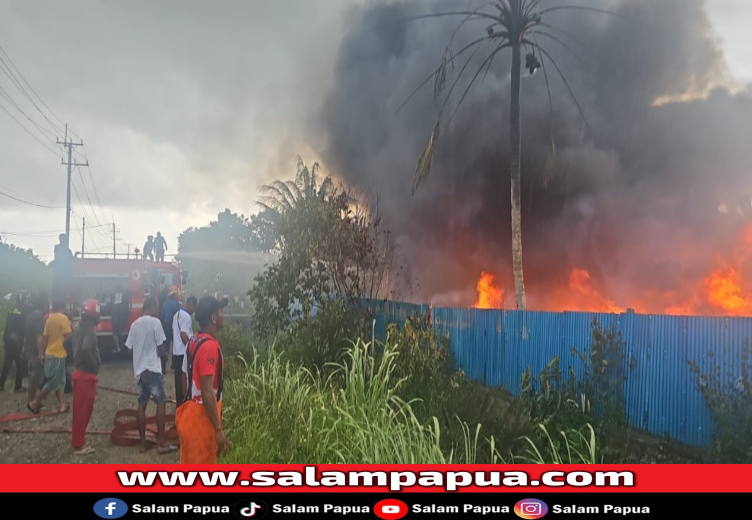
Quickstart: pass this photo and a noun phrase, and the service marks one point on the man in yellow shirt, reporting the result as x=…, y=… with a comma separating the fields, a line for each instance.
x=52, y=353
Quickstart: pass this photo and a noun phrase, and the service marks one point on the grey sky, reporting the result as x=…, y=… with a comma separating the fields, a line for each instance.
x=184, y=106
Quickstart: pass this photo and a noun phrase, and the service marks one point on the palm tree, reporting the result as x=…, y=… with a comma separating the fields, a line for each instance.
x=515, y=26
x=281, y=196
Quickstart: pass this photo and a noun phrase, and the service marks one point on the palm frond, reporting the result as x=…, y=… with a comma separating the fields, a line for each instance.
x=451, y=13
x=581, y=8
x=548, y=170
x=426, y=158
x=440, y=83
x=566, y=34
x=326, y=187
x=480, y=69
x=271, y=204
x=280, y=191
x=467, y=19
x=438, y=70
x=564, y=45
x=459, y=76
x=563, y=77
x=531, y=7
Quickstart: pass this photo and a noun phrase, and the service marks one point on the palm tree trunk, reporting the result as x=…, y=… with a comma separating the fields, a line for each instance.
x=516, y=151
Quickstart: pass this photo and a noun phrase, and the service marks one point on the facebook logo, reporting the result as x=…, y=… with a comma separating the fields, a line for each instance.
x=110, y=508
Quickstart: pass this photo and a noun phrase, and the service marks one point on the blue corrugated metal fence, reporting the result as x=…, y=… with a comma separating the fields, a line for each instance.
x=494, y=347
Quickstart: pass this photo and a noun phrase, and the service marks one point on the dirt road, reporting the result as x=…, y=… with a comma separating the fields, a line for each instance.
x=54, y=448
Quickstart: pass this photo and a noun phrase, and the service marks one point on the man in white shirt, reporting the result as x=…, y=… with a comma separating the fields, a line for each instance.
x=182, y=332
x=145, y=339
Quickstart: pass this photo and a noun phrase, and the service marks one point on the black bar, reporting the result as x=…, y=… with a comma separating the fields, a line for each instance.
x=362, y=505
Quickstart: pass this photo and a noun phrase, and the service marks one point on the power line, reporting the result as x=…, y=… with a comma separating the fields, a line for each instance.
x=35, y=93
x=28, y=132
x=28, y=202
x=7, y=96
x=96, y=191
x=45, y=232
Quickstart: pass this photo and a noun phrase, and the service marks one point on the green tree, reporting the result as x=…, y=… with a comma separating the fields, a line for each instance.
x=21, y=269
x=336, y=247
x=226, y=253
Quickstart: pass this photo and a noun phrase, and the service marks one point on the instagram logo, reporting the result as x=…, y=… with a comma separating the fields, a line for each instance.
x=530, y=508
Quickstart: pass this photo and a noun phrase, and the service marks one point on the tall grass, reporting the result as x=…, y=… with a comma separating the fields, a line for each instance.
x=573, y=447
x=279, y=412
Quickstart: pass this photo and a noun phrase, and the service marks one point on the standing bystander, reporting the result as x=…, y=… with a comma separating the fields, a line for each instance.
x=86, y=375
x=199, y=418
x=146, y=339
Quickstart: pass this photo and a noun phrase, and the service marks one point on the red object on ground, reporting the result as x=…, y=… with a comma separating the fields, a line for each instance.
x=12, y=417
x=124, y=432
x=84, y=394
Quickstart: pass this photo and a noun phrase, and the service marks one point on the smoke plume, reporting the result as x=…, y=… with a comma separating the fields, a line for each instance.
x=650, y=190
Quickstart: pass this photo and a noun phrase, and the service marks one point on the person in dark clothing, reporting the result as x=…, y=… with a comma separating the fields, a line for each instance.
x=160, y=246
x=86, y=375
x=62, y=268
x=120, y=316
x=33, y=339
x=13, y=340
x=170, y=307
x=149, y=248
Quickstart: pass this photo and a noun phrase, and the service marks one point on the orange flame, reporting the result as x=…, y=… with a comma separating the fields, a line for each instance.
x=588, y=298
x=724, y=290
x=490, y=295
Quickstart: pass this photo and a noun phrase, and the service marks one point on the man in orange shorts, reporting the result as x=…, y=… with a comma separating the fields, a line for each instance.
x=199, y=418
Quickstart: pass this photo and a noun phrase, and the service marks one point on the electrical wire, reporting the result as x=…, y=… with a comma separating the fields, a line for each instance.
x=57, y=154
x=28, y=202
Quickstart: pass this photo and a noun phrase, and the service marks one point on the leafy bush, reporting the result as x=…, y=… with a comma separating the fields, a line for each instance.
x=565, y=403
x=729, y=399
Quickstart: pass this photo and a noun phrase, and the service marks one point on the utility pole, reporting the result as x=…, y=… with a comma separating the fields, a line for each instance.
x=69, y=145
x=129, y=251
x=114, y=242
x=83, y=237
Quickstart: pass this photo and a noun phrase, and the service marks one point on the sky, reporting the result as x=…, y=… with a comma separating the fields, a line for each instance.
x=184, y=108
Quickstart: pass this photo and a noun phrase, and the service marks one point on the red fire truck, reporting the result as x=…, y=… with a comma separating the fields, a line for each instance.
x=120, y=286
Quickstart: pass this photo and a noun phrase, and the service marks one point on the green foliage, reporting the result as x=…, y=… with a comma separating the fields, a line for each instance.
x=334, y=247
x=316, y=341
x=236, y=346
x=569, y=447
x=560, y=402
x=230, y=232
x=225, y=254
x=279, y=412
x=21, y=270
x=283, y=413
x=729, y=399
x=425, y=364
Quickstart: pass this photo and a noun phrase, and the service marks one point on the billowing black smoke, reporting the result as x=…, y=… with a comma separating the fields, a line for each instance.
x=638, y=183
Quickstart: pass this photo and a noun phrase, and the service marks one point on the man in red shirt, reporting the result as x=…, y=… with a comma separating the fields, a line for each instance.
x=199, y=418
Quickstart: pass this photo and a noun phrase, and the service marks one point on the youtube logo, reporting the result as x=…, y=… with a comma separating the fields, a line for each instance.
x=390, y=509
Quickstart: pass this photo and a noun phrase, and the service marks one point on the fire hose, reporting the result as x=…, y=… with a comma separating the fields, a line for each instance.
x=123, y=433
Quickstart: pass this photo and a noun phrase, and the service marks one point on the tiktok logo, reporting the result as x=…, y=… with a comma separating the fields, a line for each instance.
x=250, y=510
x=253, y=509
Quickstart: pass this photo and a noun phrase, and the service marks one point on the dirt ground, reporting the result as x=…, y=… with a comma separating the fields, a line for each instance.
x=54, y=448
